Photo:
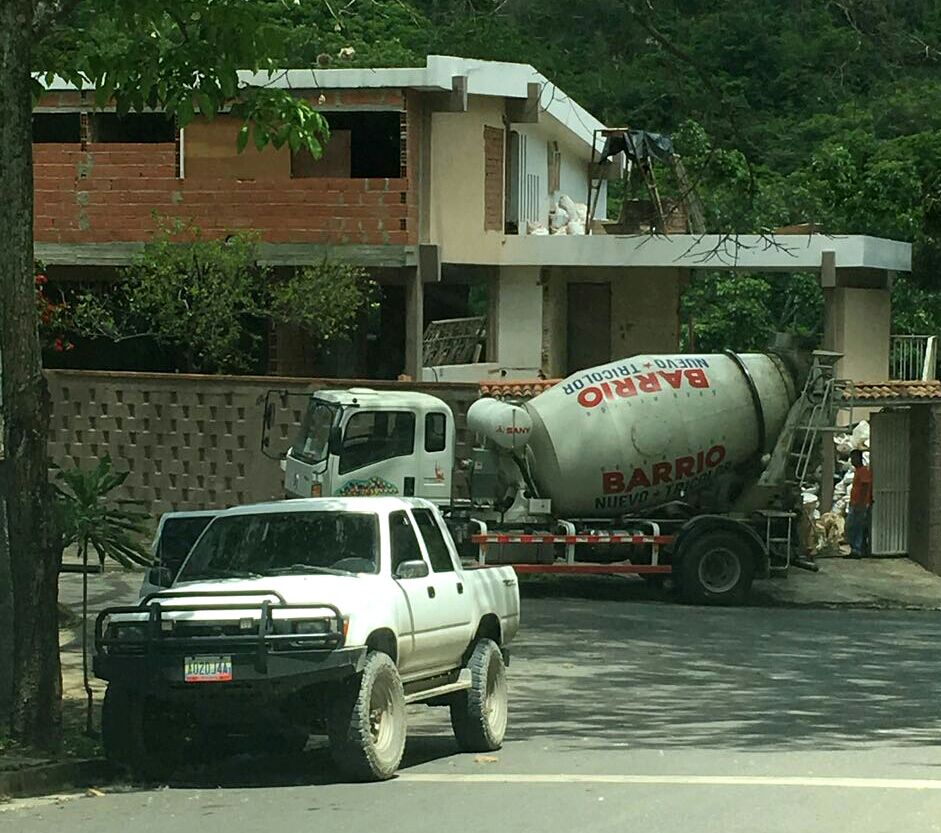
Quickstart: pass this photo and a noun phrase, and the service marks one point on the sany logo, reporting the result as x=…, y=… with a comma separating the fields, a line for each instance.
x=641, y=383
x=512, y=429
x=683, y=468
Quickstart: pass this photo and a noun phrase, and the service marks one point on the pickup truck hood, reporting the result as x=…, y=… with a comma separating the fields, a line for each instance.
x=343, y=592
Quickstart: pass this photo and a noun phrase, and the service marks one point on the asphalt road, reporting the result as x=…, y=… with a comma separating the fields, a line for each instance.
x=625, y=715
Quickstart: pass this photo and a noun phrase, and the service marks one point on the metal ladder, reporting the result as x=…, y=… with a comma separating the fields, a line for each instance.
x=821, y=398
x=814, y=415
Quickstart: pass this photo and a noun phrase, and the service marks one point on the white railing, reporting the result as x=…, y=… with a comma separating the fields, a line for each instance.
x=913, y=358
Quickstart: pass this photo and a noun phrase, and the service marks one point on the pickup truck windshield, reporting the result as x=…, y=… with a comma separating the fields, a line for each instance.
x=285, y=542
x=314, y=438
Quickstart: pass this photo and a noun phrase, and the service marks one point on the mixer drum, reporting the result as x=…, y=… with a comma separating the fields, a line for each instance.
x=639, y=432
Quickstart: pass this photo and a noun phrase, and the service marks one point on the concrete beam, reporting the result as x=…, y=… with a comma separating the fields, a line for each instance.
x=269, y=254
x=745, y=252
x=452, y=102
x=525, y=110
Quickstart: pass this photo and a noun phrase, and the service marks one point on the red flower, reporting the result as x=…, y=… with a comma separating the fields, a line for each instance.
x=41, y=279
x=57, y=345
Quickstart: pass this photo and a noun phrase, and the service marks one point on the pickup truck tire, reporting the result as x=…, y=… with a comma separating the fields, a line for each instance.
x=128, y=741
x=478, y=715
x=367, y=722
x=717, y=568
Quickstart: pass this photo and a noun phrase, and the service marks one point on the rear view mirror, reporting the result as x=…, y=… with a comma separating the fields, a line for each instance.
x=160, y=576
x=412, y=569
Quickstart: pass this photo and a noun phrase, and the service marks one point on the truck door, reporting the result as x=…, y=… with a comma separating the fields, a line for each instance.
x=438, y=458
x=426, y=606
x=456, y=605
x=377, y=456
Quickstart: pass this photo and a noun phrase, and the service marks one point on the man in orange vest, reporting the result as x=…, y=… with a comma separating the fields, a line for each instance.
x=857, y=519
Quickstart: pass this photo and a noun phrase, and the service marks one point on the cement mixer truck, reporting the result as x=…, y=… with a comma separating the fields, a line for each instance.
x=680, y=466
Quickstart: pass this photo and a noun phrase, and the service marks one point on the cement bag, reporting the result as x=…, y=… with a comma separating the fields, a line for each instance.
x=559, y=219
x=576, y=227
x=567, y=204
x=535, y=227
x=861, y=435
x=829, y=533
x=844, y=444
x=581, y=212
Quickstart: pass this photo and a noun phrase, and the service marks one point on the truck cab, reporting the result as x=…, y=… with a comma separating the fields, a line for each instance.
x=358, y=442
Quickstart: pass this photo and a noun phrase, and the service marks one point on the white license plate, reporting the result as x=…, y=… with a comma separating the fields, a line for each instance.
x=207, y=669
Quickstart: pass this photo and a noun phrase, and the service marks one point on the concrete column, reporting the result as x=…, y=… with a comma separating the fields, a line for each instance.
x=519, y=318
x=554, y=316
x=414, y=322
x=858, y=324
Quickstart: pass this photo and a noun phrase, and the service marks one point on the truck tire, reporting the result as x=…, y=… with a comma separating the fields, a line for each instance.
x=146, y=755
x=367, y=722
x=716, y=568
x=479, y=715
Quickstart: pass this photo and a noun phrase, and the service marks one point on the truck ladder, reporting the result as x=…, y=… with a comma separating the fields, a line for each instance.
x=821, y=399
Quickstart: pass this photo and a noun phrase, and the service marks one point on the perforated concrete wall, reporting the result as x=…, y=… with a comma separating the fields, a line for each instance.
x=193, y=442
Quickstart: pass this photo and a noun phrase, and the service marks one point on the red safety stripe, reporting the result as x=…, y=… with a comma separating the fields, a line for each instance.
x=501, y=538
x=639, y=569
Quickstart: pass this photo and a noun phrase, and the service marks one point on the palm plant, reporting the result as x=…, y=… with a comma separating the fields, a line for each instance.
x=92, y=518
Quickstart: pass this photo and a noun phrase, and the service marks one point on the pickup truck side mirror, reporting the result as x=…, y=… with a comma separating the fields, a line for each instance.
x=160, y=576
x=412, y=569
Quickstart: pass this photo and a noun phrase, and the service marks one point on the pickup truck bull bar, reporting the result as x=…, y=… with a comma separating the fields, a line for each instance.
x=158, y=634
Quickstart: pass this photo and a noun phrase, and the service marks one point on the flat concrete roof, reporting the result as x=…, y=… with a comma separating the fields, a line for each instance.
x=746, y=252
x=489, y=78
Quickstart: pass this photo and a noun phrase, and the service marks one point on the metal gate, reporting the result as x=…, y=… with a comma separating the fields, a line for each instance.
x=891, y=481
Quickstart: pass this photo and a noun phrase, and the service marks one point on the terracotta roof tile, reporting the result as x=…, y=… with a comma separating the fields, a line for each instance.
x=516, y=390
x=876, y=391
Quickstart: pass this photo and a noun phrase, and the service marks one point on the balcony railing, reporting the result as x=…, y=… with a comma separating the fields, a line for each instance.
x=913, y=358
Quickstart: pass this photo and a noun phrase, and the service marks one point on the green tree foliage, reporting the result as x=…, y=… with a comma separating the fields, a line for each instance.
x=187, y=292
x=323, y=301
x=208, y=300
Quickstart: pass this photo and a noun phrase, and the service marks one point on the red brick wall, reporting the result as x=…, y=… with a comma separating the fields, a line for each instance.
x=108, y=193
x=493, y=179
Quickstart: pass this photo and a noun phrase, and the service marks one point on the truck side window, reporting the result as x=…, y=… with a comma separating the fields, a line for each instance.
x=373, y=436
x=435, y=432
x=404, y=543
x=437, y=547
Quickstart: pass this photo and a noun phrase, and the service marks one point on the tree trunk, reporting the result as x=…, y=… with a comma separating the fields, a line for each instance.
x=34, y=557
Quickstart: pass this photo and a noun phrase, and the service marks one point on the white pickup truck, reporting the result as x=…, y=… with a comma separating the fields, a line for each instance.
x=306, y=616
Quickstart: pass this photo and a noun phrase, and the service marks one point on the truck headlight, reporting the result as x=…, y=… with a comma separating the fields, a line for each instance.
x=311, y=626
x=127, y=631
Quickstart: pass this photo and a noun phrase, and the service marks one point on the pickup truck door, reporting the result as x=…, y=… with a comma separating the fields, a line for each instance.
x=456, y=603
x=427, y=651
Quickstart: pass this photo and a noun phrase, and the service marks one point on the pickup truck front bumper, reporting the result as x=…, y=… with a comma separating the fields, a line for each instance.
x=260, y=657
x=285, y=669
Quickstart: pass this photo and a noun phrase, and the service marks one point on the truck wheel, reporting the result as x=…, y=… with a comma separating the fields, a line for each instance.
x=367, y=722
x=478, y=715
x=146, y=755
x=717, y=568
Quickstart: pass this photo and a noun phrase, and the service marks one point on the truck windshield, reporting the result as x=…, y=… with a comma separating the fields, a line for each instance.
x=314, y=437
x=285, y=542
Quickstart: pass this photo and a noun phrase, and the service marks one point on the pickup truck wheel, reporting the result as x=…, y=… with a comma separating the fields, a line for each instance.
x=717, y=568
x=478, y=715
x=131, y=739
x=367, y=722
